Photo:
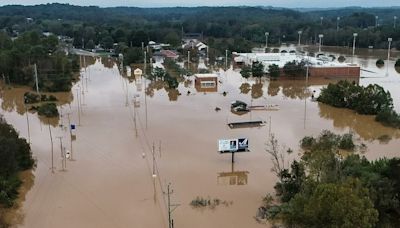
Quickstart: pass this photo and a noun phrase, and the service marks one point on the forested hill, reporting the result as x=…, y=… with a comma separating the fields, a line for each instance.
x=247, y=23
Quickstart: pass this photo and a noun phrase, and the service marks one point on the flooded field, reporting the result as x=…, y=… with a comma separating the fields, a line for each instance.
x=110, y=182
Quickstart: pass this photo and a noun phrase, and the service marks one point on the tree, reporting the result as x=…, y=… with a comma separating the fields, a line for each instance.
x=274, y=71
x=295, y=68
x=344, y=205
x=397, y=64
x=107, y=42
x=173, y=39
x=15, y=156
x=257, y=69
x=133, y=55
x=245, y=71
x=90, y=44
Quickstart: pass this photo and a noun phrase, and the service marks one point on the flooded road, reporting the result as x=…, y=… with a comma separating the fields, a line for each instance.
x=110, y=183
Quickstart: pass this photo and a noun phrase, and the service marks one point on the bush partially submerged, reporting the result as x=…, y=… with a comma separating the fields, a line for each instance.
x=369, y=100
x=380, y=63
x=48, y=110
x=32, y=98
x=201, y=202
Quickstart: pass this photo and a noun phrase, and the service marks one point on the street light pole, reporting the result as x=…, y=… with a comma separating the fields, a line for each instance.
x=320, y=41
x=394, y=22
x=337, y=24
x=266, y=39
x=300, y=32
x=376, y=21
x=354, y=42
x=387, y=65
x=226, y=59
x=322, y=18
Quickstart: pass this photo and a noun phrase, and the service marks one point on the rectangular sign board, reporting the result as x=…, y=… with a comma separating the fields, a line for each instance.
x=233, y=145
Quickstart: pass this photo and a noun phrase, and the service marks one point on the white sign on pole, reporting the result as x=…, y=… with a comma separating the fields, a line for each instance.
x=233, y=145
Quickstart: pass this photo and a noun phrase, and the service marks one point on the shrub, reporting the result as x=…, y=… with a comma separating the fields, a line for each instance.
x=48, y=110
x=397, y=64
x=31, y=98
x=346, y=142
x=295, y=68
x=307, y=142
x=274, y=71
x=246, y=71
x=341, y=58
x=380, y=62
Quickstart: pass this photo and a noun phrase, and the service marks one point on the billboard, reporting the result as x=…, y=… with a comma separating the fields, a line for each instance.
x=233, y=145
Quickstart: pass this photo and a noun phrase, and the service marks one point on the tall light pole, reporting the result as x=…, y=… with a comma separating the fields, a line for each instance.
x=394, y=22
x=266, y=39
x=322, y=18
x=354, y=42
x=299, y=32
x=376, y=21
x=387, y=65
x=320, y=41
x=337, y=23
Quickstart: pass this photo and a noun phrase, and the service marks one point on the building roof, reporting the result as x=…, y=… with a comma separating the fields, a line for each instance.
x=208, y=75
x=169, y=54
x=281, y=59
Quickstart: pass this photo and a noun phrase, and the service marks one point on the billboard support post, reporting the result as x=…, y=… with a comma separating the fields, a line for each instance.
x=233, y=157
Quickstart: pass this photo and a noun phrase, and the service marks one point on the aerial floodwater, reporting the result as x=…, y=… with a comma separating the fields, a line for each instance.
x=136, y=137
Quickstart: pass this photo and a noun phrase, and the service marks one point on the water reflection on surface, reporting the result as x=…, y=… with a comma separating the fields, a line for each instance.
x=233, y=177
x=363, y=125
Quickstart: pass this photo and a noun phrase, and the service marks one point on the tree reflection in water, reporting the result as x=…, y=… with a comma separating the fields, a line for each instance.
x=245, y=88
x=294, y=89
x=361, y=124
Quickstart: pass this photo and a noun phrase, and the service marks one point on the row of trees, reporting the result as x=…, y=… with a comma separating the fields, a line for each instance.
x=324, y=189
x=370, y=100
x=15, y=156
x=54, y=69
x=291, y=69
x=238, y=27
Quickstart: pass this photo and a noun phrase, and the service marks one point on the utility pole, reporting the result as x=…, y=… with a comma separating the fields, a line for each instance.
x=36, y=78
x=145, y=99
x=63, y=161
x=171, y=207
x=79, y=108
x=337, y=23
x=269, y=129
x=70, y=135
x=154, y=162
x=27, y=122
x=266, y=39
x=394, y=22
x=52, y=148
x=145, y=61
x=159, y=148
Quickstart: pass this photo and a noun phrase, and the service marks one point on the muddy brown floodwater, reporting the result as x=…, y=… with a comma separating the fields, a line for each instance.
x=109, y=183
